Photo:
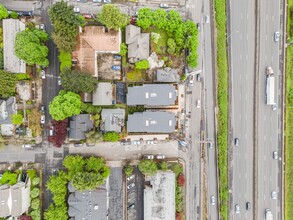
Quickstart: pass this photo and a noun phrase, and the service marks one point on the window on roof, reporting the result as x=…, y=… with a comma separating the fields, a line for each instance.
x=170, y=95
x=146, y=95
x=170, y=122
x=146, y=122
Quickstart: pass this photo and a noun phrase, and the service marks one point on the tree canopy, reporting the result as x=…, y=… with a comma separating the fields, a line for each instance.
x=65, y=23
x=7, y=84
x=112, y=18
x=3, y=12
x=17, y=119
x=29, y=46
x=142, y=65
x=58, y=187
x=56, y=212
x=65, y=105
x=111, y=136
x=148, y=167
x=75, y=81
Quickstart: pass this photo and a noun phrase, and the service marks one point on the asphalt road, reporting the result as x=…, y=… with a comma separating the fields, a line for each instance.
x=269, y=127
x=242, y=41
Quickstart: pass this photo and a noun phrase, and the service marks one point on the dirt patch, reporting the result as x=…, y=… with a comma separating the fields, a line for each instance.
x=105, y=63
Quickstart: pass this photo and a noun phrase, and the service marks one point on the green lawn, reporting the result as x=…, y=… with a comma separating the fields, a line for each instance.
x=136, y=76
x=289, y=128
x=161, y=47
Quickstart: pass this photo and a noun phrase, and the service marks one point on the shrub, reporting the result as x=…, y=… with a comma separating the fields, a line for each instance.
x=13, y=15
x=111, y=136
x=123, y=49
x=177, y=169
x=31, y=174
x=35, y=203
x=8, y=178
x=36, y=181
x=128, y=170
x=22, y=76
x=142, y=65
x=148, y=167
x=164, y=165
x=181, y=179
x=35, y=192
x=17, y=119
x=36, y=214
x=65, y=60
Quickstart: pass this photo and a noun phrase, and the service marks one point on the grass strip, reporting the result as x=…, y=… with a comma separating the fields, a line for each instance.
x=222, y=139
x=289, y=124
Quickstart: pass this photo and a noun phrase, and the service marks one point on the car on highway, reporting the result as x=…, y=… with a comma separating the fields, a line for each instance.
x=248, y=206
x=274, y=194
x=207, y=19
x=116, y=67
x=130, y=186
x=275, y=155
x=59, y=81
x=213, y=200
x=131, y=206
x=237, y=208
x=43, y=119
x=160, y=156
x=43, y=73
x=164, y=5
x=277, y=36
x=236, y=142
x=210, y=144
x=130, y=178
x=148, y=156
x=42, y=27
x=197, y=103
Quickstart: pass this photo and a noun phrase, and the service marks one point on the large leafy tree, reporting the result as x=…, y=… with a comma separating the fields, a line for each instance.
x=29, y=46
x=75, y=81
x=58, y=187
x=145, y=18
x=60, y=133
x=87, y=181
x=7, y=84
x=56, y=212
x=74, y=164
x=148, y=167
x=112, y=18
x=3, y=12
x=65, y=105
x=65, y=23
x=94, y=164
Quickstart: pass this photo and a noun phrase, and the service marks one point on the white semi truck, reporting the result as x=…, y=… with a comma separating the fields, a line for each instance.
x=270, y=87
x=268, y=215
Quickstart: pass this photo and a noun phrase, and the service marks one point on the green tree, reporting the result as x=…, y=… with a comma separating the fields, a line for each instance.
x=142, y=65
x=58, y=187
x=65, y=60
x=74, y=164
x=177, y=169
x=111, y=136
x=35, y=192
x=87, y=181
x=65, y=23
x=92, y=137
x=8, y=178
x=148, y=167
x=123, y=49
x=145, y=18
x=160, y=18
x=75, y=81
x=128, y=170
x=171, y=46
x=65, y=105
x=56, y=212
x=3, y=12
x=90, y=109
x=112, y=18
x=94, y=164
x=13, y=15
x=7, y=84
x=17, y=119
x=29, y=47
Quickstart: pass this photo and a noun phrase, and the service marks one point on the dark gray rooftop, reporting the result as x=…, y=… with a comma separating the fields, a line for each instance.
x=79, y=125
x=152, y=95
x=151, y=122
x=89, y=204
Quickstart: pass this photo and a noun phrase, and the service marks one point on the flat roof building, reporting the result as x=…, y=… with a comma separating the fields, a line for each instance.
x=159, y=196
x=11, y=62
x=112, y=119
x=152, y=95
x=79, y=125
x=151, y=122
x=104, y=94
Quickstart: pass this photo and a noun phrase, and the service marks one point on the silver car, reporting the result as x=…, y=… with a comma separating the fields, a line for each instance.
x=237, y=209
x=160, y=157
x=213, y=200
x=275, y=155
x=274, y=195
x=148, y=156
x=164, y=5
x=277, y=36
x=130, y=186
x=43, y=74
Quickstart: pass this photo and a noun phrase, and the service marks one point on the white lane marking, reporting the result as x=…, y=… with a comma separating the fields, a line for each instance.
x=264, y=138
x=247, y=36
x=241, y=36
x=247, y=16
x=246, y=94
x=246, y=78
x=273, y=18
x=266, y=37
x=240, y=116
x=240, y=76
x=241, y=16
x=240, y=56
x=246, y=117
x=246, y=57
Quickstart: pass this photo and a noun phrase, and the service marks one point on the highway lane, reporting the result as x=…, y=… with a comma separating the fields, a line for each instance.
x=268, y=124
x=242, y=42
x=208, y=76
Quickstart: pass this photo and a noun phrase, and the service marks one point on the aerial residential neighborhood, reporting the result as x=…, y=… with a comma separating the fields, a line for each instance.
x=155, y=110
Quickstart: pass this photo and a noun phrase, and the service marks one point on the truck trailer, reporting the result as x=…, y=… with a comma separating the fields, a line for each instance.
x=270, y=87
x=268, y=215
